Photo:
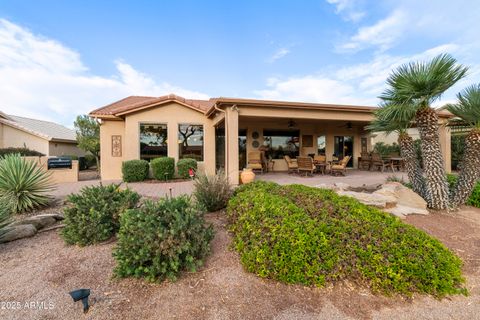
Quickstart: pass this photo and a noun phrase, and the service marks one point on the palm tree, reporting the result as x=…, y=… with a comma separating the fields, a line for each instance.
x=389, y=119
x=467, y=111
x=414, y=87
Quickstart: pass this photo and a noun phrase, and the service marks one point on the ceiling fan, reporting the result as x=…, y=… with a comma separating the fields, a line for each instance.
x=347, y=125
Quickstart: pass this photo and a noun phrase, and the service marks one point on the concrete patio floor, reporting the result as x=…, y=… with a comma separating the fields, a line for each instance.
x=353, y=177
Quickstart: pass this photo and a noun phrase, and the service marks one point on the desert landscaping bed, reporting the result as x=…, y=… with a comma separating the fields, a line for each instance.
x=44, y=269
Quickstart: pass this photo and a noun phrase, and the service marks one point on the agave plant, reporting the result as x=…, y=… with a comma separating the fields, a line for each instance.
x=414, y=87
x=467, y=111
x=25, y=184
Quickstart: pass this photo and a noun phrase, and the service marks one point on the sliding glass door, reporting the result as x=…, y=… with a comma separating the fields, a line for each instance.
x=344, y=147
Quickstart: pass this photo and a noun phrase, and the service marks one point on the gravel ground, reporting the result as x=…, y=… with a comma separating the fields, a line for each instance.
x=43, y=270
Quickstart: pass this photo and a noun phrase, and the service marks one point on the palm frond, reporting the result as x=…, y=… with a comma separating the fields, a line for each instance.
x=418, y=84
x=391, y=117
x=468, y=106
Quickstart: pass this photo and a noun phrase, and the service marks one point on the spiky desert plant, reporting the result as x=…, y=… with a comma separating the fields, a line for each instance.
x=24, y=183
x=5, y=216
x=389, y=119
x=467, y=111
x=415, y=86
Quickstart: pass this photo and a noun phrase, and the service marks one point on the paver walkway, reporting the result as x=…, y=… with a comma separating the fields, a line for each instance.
x=146, y=189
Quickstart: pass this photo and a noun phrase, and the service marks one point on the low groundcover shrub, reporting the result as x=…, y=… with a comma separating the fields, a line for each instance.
x=311, y=236
x=161, y=239
x=92, y=216
x=135, y=170
x=474, y=199
x=212, y=191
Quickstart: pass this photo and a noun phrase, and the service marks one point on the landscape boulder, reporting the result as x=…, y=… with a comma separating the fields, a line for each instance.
x=39, y=222
x=18, y=232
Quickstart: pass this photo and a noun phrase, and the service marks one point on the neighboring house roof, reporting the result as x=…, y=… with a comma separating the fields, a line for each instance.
x=136, y=103
x=44, y=129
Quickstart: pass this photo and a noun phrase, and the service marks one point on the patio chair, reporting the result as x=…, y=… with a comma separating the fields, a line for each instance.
x=291, y=164
x=305, y=164
x=255, y=161
x=378, y=163
x=341, y=167
x=320, y=162
x=365, y=161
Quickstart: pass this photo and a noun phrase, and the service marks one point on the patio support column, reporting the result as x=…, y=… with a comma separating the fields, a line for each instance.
x=231, y=144
x=445, y=144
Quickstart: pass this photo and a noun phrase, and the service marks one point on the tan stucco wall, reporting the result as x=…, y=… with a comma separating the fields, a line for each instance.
x=171, y=114
x=64, y=148
x=111, y=167
x=14, y=138
x=60, y=175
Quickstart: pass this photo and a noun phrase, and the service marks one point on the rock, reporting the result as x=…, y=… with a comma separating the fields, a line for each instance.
x=341, y=186
x=366, y=188
x=38, y=221
x=325, y=186
x=370, y=199
x=401, y=210
x=18, y=232
x=408, y=202
x=57, y=216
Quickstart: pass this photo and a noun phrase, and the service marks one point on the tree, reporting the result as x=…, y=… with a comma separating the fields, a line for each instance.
x=389, y=120
x=88, y=136
x=413, y=88
x=467, y=111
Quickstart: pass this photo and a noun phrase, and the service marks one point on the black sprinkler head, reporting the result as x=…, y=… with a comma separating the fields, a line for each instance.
x=81, y=294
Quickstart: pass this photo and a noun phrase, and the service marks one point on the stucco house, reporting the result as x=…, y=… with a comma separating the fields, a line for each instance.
x=49, y=138
x=221, y=132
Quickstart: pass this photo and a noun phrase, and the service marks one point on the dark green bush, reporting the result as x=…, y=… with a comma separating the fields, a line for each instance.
x=24, y=152
x=135, y=170
x=311, y=236
x=163, y=168
x=474, y=199
x=93, y=215
x=161, y=239
x=212, y=192
x=183, y=166
x=386, y=150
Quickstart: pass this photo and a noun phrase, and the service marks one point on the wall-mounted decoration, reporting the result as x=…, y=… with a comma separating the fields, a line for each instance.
x=364, y=145
x=255, y=135
x=255, y=144
x=307, y=141
x=116, y=146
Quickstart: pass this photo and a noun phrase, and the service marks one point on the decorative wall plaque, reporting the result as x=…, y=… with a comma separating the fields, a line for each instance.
x=255, y=135
x=307, y=141
x=255, y=144
x=116, y=146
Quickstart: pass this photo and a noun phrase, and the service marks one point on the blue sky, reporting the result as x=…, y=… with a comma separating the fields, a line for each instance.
x=62, y=58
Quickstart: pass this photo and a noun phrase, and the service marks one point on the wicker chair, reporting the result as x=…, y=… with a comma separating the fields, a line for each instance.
x=305, y=164
x=365, y=161
x=320, y=162
x=291, y=164
x=378, y=162
x=255, y=161
x=340, y=168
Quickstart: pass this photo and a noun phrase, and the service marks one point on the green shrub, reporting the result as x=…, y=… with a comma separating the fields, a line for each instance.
x=212, y=192
x=183, y=166
x=5, y=216
x=163, y=168
x=386, y=150
x=311, y=236
x=24, y=152
x=93, y=215
x=161, y=239
x=135, y=170
x=474, y=199
x=24, y=183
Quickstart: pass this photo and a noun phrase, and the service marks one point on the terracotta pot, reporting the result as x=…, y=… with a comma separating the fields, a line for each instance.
x=247, y=176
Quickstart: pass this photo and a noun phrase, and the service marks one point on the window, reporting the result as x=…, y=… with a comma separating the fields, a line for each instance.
x=321, y=143
x=190, y=141
x=278, y=143
x=153, y=141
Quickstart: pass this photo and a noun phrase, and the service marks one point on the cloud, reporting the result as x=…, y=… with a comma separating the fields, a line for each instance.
x=280, y=53
x=358, y=84
x=382, y=34
x=348, y=9
x=42, y=78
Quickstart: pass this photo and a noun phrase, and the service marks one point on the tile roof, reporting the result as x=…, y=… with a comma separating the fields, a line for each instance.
x=132, y=103
x=44, y=129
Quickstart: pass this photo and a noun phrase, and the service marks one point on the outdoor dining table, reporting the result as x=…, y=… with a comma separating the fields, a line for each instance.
x=395, y=162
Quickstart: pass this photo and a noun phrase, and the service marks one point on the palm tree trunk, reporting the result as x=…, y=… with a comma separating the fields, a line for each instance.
x=470, y=169
x=409, y=154
x=433, y=166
